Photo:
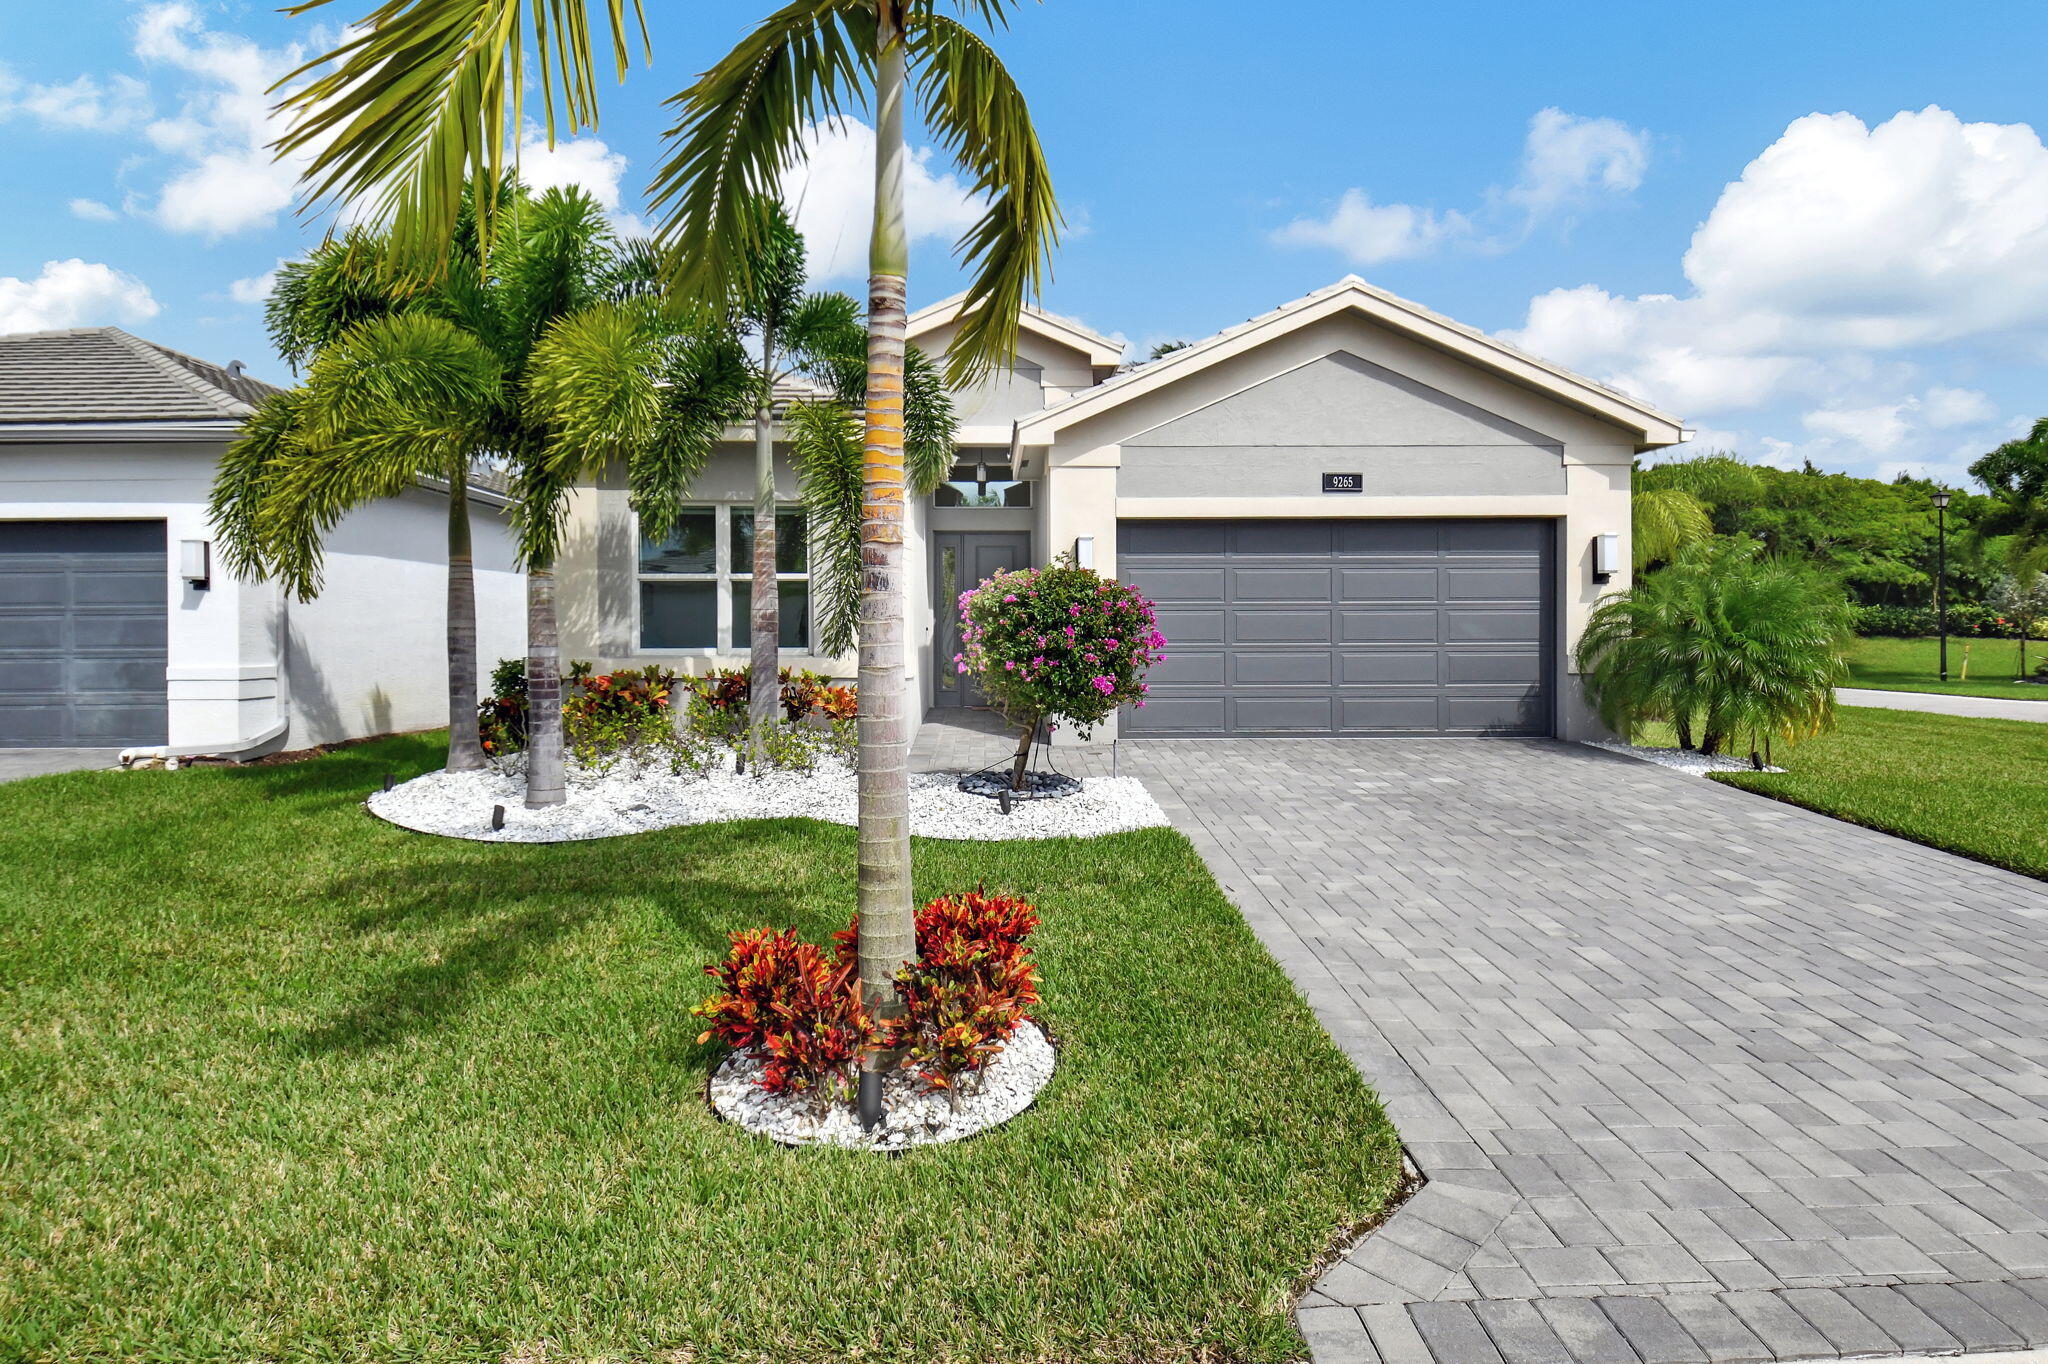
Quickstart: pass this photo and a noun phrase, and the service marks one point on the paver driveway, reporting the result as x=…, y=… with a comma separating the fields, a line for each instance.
x=1693, y=1075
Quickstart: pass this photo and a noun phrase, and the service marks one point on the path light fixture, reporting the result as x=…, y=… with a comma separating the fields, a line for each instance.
x=1940, y=499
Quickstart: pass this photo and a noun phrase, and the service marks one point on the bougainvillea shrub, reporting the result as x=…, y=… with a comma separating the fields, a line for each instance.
x=783, y=997
x=1057, y=642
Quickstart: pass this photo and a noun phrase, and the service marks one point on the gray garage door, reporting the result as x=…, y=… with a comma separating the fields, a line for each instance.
x=1345, y=627
x=82, y=634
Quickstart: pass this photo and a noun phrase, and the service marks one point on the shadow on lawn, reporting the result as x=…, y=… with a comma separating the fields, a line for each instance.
x=696, y=879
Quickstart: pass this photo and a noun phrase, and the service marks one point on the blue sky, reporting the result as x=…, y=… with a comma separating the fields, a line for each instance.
x=1811, y=230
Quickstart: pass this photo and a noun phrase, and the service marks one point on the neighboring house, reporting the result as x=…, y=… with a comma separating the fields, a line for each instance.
x=1357, y=517
x=118, y=626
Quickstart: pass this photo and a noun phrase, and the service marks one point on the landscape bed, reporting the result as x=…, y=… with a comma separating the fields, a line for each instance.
x=285, y=1082
x=1915, y=665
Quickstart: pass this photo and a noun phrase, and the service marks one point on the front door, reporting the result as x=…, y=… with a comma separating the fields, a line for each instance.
x=961, y=559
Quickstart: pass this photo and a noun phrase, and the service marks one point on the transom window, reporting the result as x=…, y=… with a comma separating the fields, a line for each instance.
x=697, y=586
x=982, y=478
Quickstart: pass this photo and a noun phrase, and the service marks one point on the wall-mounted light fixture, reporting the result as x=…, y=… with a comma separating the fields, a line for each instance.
x=1606, y=556
x=1084, y=551
x=195, y=562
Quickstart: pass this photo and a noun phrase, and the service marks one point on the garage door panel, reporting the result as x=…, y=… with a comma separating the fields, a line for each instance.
x=1381, y=714
x=1394, y=627
x=1470, y=668
x=83, y=633
x=1416, y=627
x=1256, y=714
x=1395, y=666
x=1282, y=667
x=1280, y=584
x=1388, y=584
x=1481, y=625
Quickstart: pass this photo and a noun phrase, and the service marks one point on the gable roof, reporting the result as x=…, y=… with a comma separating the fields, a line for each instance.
x=1351, y=294
x=1065, y=331
x=101, y=375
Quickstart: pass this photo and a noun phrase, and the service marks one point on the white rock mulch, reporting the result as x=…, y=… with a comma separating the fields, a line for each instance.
x=1679, y=759
x=1007, y=1086
x=630, y=801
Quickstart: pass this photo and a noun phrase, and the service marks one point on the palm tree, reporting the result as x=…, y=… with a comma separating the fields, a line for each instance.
x=1725, y=642
x=1664, y=521
x=739, y=126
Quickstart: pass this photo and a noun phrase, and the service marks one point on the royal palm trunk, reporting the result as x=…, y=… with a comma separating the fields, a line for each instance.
x=465, y=747
x=544, y=776
x=766, y=622
x=888, y=936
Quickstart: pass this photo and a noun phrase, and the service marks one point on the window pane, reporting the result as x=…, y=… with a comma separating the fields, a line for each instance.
x=678, y=615
x=693, y=548
x=792, y=551
x=793, y=625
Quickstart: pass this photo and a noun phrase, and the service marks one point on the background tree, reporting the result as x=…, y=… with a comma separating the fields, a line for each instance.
x=739, y=126
x=1664, y=521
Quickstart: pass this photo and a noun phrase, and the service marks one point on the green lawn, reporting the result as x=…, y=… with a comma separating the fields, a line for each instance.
x=282, y=1082
x=1915, y=665
x=1977, y=787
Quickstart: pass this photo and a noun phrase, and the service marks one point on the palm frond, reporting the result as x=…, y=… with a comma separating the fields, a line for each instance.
x=1665, y=521
x=736, y=128
x=244, y=478
x=424, y=95
x=552, y=260
x=977, y=113
x=407, y=370
x=826, y=338
x=342, y=281
x=707, y=383
x=825, y=442
x=590, y=388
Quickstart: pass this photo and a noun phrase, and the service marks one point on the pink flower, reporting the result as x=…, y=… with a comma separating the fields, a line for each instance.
x=963, y=667
x=1009, y=667
x=1103, y=685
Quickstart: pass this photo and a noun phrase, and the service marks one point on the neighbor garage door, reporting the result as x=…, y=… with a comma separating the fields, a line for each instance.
x=82, y=633
x=1345, y=627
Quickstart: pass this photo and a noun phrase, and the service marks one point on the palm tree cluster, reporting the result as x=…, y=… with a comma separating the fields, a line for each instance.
x=1726, y=644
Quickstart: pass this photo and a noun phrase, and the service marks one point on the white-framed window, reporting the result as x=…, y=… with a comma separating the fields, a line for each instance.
x=696, y=588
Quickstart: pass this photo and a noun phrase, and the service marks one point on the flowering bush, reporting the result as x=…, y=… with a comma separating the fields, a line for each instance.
x=818, y=717
x=1057, y=641
x=501, y=716
x=962, y=998
x=783, y=998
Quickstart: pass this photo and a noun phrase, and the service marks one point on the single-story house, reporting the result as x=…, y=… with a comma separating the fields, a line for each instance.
x=118, y=625
x=1357, y=516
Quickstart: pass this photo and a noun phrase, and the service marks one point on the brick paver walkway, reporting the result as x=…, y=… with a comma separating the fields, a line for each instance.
x=1694, y=1076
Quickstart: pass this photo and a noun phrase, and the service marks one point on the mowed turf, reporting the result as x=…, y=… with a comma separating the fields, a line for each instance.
x=1915, y=665
x=283, y=1082
x=1976, y=787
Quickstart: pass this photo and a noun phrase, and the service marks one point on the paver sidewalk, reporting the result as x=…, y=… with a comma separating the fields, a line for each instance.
x=1693, y=1075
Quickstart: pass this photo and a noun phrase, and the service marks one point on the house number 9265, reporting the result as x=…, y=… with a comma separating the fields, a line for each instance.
x=1343, y=483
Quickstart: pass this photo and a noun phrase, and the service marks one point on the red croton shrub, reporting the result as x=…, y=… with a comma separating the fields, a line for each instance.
x=973, y=982
x=784, y=998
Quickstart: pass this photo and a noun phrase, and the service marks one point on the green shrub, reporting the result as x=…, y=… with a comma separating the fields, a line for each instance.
x=1725, y=644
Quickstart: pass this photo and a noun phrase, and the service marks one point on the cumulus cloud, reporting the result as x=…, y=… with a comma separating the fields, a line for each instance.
x=73, y=293
x=584, y=162
x=84, y=104
x=1840, y=243
x=830, y=188
x=256, y=288
x=93, y=211
x=1567, y=162
x=1366, y=233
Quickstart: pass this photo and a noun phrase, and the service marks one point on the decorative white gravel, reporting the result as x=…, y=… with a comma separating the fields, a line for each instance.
x=911, y=1117
x=631, y=801
x=1680, y=759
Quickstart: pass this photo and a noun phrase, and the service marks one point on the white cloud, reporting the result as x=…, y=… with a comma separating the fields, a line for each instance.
x=230, y=181
x=1366, y=233
x=584, y=162
x=830, y=189
x=256, y=288
x=1567, y=157
x=73, y=293
x=1946, y=407
x=93, y=211
x=84, y=104
x=1566, y=161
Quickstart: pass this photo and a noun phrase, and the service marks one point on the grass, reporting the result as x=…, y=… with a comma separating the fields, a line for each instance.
x=1975, y=787
x=1915, y=665
x=282, y=1082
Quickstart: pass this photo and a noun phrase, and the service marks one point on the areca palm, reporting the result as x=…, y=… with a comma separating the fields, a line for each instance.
x=738, y=127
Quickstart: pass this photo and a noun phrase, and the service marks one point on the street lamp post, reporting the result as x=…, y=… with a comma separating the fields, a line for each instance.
x=1941, y=496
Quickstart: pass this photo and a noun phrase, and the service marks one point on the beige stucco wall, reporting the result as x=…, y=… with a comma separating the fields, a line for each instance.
x=1084, y=461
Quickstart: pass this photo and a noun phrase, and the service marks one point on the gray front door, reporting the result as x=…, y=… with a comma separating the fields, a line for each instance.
x=83, y=627
x=1346, y=627
x=961, y=559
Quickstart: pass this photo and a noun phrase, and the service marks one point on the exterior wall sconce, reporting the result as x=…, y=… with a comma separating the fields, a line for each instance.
x=1084, y=551
x=1606, y=557
x=195, y=562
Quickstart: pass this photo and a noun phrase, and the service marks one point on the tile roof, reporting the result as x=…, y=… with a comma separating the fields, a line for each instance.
x=103, y=374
